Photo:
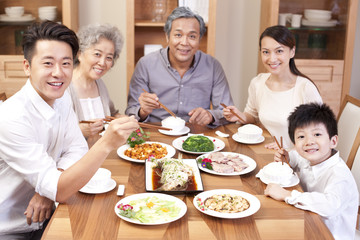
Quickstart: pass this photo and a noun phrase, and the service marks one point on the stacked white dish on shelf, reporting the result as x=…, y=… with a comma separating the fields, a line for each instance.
x=15, y=14
x=318, y=18
x=47, y=13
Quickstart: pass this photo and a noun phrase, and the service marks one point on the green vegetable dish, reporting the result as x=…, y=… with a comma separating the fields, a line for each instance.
x=198, y=143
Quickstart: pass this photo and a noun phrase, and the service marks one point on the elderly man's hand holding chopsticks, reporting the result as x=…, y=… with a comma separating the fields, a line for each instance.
x=148, y=102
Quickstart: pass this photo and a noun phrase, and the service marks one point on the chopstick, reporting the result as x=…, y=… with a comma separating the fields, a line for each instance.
x=240, y=118
x=86, y=121
x=163, y=106
x=146, y=125
x=280, y=147
x=141, y=124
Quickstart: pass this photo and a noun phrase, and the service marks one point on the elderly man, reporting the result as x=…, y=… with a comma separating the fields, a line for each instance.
x=189, y=82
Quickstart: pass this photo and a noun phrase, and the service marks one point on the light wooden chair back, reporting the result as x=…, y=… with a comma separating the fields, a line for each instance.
x=2, y=97
x=348, y=124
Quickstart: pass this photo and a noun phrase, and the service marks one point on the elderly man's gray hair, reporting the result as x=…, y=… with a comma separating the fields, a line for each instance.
x=183, y=12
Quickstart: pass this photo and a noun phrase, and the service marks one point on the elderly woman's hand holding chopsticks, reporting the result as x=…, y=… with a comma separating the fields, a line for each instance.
x=91, y=127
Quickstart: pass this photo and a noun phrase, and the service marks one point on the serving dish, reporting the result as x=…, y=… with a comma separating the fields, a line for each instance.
x=121, y=152
x=150, y=179
x=248, y=160
x=201, y=197
x=128, y=199
x=218, y=144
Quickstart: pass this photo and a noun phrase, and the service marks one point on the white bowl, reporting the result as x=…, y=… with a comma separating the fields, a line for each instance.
x=250, y=132
x=47, y=9
x=14, y=12
x=317, y=15
x=47, y=16
x=176, y=124
x=277, y=172
x=100, y=178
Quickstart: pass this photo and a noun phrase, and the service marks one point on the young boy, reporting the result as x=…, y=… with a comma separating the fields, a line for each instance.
x=43, y=155
x=329, y=187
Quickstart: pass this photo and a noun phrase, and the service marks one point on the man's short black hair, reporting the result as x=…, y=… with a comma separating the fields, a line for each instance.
x=312, y=113
x=48, y=30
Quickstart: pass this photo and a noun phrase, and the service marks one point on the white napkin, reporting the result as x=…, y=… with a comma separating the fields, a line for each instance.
x=221, y=134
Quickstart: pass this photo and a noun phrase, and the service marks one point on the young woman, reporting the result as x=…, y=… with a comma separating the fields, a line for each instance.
x=100, y=46
x=274, y=95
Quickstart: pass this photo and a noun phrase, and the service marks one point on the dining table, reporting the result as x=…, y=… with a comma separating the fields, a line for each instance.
x=92, y=216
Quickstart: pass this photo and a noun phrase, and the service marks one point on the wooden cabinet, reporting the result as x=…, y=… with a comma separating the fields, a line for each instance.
x=323, y=53
x=12, y=76
x=142, y=30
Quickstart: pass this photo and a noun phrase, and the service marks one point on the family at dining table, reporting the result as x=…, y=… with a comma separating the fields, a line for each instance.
x=44, y=157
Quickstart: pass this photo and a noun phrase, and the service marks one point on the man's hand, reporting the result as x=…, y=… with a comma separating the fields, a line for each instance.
x=39, y=209
x=119, y=130
x=200, y=116
x=90, y=129
x=148, y=102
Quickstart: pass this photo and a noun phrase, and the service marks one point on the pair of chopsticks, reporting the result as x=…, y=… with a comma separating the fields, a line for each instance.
x=144, y=125
x=281, y=146
x=163, y=106
x=240, y=118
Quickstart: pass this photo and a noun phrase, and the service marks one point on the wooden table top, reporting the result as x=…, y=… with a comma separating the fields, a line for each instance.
x=88, y=216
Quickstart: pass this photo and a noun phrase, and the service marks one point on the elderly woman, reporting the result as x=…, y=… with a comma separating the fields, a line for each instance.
x=100, y=46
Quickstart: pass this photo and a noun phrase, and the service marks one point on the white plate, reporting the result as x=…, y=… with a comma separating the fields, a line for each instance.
x=292, y=182
x=183, y=131
x=177, y=143
x=240, y=140
x=331, y=23
x=190, y=162
x=121, y=150
x=254, y=203
x=126, y=200
x=91, y=190
x=23, y=18
x=248, y=160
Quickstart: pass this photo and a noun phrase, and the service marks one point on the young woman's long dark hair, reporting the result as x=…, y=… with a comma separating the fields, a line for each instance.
x=283, y=36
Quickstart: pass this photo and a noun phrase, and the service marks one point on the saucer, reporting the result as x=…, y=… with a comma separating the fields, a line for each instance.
x=330, y=23
x=23, y=18
x=97, y=190
x=294, y=180
x=183, y=131
x=240, y=140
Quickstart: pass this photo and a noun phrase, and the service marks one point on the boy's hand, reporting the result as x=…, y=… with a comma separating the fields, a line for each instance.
x=276, y=192
x=281, y=155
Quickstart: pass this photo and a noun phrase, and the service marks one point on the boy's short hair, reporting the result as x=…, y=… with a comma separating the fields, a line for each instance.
x=310, y=113
x=48, y=30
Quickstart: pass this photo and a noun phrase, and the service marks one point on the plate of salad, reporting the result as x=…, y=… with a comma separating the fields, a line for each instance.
x=198, y=144
x=150, y=208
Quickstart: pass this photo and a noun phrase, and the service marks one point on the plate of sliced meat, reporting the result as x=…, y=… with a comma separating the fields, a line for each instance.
x=226, y=163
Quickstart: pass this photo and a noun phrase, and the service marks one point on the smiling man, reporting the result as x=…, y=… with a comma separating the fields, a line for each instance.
x=43, y=155
x=189, y=82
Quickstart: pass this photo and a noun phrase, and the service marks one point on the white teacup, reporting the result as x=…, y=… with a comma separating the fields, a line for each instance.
x=176, y=124
x=250, y=132
x=100, y=178
x=296, y=20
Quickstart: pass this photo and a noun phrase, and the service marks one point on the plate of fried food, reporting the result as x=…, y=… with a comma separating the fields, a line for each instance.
x=139, y=153
x=226, y=203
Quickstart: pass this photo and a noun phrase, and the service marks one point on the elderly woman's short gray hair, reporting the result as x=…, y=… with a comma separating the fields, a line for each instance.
x=91, y=34
x=183, y=12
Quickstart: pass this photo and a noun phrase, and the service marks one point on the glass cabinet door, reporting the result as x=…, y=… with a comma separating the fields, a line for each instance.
x=321, y=34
